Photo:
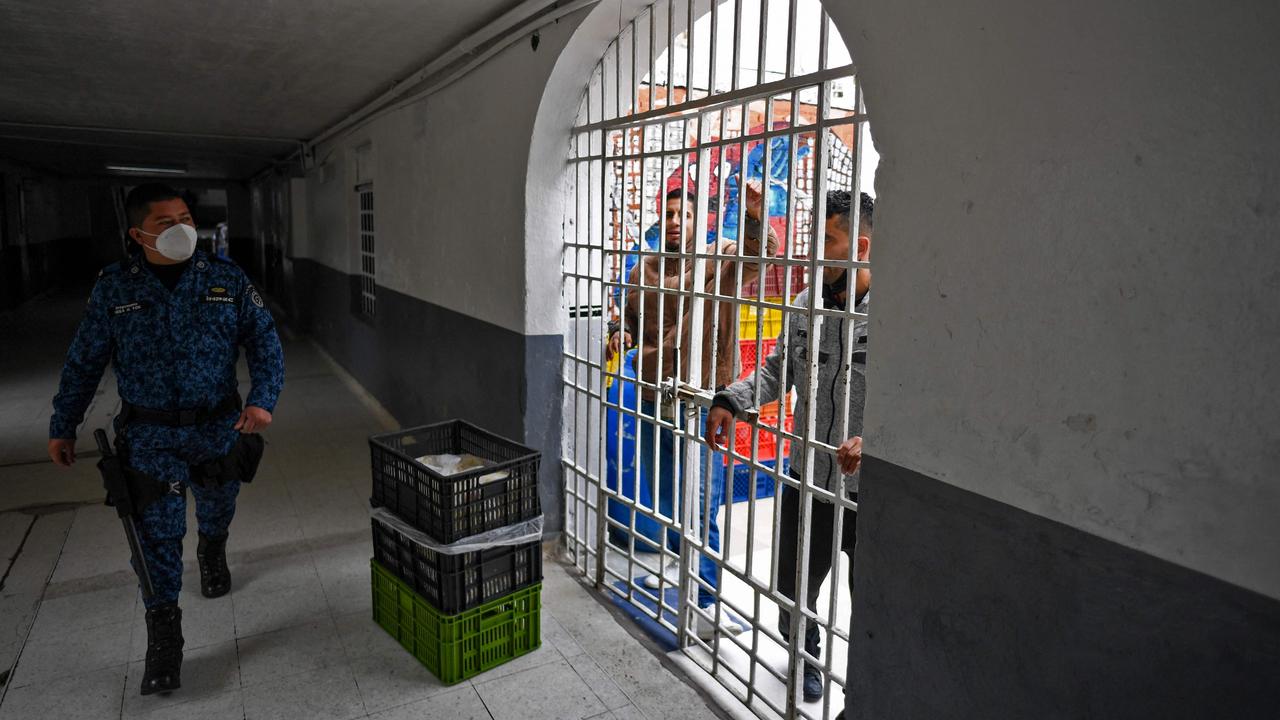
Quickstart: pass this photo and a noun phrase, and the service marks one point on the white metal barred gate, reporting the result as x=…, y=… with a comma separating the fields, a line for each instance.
x=697, y=107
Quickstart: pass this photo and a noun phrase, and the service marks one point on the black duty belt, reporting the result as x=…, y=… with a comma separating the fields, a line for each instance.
x=130, y=413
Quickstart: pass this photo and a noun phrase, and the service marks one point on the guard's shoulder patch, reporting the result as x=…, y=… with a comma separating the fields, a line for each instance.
x=254, y=296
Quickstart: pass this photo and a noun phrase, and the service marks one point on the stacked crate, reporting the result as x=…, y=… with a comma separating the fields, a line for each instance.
x=459, y=614
x=766, y=324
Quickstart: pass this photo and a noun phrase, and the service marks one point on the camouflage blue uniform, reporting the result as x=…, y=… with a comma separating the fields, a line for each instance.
x=171, y=351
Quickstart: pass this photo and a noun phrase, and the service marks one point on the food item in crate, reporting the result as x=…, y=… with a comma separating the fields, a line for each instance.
x=447, y=464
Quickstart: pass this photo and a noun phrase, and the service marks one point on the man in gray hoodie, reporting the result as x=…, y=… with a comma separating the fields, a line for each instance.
x=833, y=472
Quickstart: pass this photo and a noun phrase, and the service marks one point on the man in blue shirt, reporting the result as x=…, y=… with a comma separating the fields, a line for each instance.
x=171, y=321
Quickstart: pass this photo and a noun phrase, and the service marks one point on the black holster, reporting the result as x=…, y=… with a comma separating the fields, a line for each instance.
x=129, y=491
x=136, y=489
x=241, y=464
x=145, y=489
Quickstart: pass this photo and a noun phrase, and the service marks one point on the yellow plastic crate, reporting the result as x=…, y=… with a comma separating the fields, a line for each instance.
x=749, y=319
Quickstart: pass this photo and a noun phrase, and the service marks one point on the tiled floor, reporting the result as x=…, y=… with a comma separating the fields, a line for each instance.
x=295, y=638
x=757, y=612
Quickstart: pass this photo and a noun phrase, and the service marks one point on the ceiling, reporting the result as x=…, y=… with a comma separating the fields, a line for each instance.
x=221, y=88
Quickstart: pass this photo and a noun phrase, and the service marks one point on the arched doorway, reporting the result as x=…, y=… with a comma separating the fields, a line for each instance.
x=701, y=121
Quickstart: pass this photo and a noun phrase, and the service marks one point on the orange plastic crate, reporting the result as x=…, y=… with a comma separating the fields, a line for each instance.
x=747, y=352
x=768, y=448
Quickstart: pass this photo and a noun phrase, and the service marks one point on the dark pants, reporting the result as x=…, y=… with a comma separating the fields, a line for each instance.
x=822, y=521
x=668, y=487
x=167, y=454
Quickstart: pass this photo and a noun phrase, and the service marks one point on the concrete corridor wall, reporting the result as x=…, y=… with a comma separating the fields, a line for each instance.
x=452, y=336
x=1068, y=507
x=1071, y=508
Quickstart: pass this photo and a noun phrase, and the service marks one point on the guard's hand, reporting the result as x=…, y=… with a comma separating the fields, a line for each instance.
x=253, y=419
x=617, y=341
x=719, y=426
x=62, y=451
x=849, y=455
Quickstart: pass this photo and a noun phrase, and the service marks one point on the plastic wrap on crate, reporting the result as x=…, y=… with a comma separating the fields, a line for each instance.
x=456, y=583
x=452, y=507
x=519, y=533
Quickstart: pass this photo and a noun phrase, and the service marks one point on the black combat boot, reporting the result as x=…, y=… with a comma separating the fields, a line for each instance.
x=163, y=672
x=215, y=578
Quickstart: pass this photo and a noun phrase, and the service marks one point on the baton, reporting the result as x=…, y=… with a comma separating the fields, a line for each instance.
x=113, y=477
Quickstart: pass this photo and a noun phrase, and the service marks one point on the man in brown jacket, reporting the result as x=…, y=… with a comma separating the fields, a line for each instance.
x=658, y=319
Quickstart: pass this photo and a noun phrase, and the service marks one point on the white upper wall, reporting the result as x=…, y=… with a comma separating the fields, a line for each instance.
x=328, y=239
x=1077, y=273
x=449, y=178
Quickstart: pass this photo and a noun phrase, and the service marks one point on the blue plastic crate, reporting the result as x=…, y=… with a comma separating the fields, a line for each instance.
x=764, y=484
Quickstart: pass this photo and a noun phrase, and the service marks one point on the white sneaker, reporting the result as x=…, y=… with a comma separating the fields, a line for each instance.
x=671, y=572
x=706, y=627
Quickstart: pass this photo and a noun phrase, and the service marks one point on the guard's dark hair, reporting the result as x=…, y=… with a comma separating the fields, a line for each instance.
x=137, y=205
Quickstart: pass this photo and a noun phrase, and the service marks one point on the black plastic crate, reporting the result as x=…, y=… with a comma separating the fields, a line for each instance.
x=456, y=583
x=449, y=508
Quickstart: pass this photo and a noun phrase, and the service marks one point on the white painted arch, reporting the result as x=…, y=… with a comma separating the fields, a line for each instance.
x=549, y=176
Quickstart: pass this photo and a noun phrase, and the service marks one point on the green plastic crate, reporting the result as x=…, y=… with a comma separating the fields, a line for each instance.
x=456, y=647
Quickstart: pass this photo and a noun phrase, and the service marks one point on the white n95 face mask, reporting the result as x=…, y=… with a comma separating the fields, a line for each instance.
x=178, y=242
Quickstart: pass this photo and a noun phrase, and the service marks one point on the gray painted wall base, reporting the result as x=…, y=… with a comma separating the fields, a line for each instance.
x=970, y=608
x=426, y=363
x=542, y=407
